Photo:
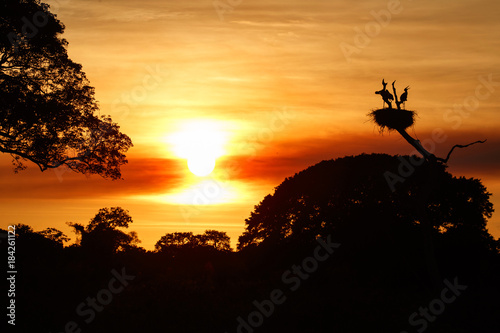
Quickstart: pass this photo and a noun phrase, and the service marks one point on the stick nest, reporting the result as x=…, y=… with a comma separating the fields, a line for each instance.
x=392, y=119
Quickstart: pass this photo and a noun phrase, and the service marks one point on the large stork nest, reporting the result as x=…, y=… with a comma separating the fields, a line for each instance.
x=392, y=119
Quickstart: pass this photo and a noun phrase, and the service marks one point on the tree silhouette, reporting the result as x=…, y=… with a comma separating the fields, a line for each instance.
x=38, y=244
x=54, y=235
x=349, y=198
x=217, y=239
x=47, y=106
x=400, y=120
x=101, y=234
x=180, y=241
x=176, y=240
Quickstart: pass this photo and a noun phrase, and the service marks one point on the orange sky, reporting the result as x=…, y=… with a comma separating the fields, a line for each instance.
x=287, y=83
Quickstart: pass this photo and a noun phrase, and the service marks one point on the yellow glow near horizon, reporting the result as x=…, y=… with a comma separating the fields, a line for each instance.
x=207, y=192
x=200, y=142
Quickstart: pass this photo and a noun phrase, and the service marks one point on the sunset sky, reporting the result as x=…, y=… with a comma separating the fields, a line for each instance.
x=265, y=89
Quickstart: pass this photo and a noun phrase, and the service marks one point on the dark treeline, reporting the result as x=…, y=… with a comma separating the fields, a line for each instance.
x=334, y=249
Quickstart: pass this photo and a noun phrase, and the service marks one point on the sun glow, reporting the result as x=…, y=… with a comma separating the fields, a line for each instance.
x=205, y=192
x=201, y=165
x=200, y=142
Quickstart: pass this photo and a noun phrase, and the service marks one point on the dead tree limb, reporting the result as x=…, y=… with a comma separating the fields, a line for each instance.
x=416, y=144
x=398, y=103
x=458, y=146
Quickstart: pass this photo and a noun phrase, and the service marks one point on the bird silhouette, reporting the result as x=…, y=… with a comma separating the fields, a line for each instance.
x=386, y=95
x=404, y=96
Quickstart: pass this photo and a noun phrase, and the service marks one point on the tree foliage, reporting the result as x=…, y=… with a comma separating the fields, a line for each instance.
x=55, y=235
x=110, y=218
x=186, y=240
x=102, y=235
x=47, y=106
x=349, y=198
x=49, y=239
x=217, y=239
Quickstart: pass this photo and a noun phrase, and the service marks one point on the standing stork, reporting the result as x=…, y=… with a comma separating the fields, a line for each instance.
x=404, y=96
x=386, y=95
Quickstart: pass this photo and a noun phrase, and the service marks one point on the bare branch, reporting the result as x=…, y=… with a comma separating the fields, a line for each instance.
x=458, y=146
x=416, y=144
x=6, y=135
x=398, y=103
x=41, y=164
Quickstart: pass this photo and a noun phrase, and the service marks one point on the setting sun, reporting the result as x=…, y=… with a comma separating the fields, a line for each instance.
x=200, y=142
x=201, y=165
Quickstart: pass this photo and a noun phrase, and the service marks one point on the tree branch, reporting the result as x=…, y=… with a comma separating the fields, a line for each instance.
x=416, y=144
x=398, y=103
x=4, y=58
x=458, y=146
x=43, y=165
x=6, y=135
x=68, y=159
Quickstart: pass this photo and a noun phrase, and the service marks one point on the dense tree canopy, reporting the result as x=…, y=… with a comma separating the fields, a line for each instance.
x=55, y=235
x=38, y=243
x=173, y=242
x=101, y=234
x=350, y=198
x=47, y=106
